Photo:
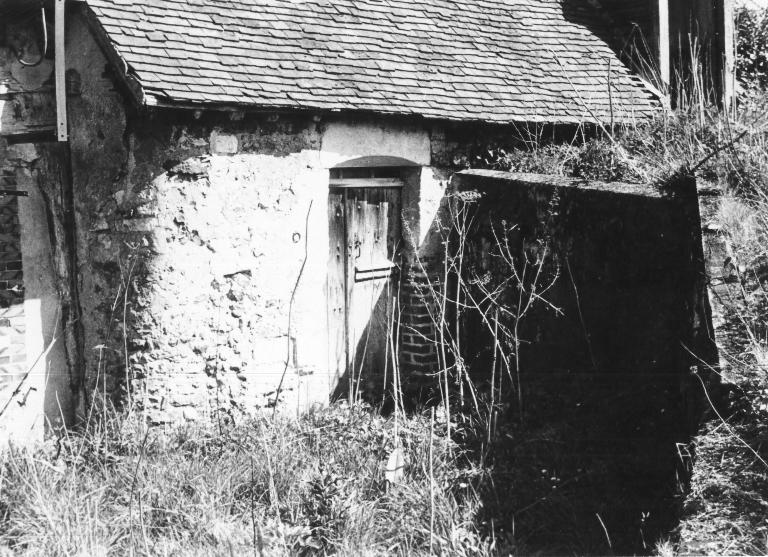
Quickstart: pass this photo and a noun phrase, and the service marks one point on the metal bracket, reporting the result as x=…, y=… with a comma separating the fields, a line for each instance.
x=375, y=273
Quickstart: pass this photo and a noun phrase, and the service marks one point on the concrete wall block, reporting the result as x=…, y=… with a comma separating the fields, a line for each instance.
x=12, y=346
x=410, y=338
x=426, y=359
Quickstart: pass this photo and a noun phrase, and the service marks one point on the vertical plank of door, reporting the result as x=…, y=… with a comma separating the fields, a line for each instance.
x=337, y=303
x=365, y=291
x=375, y=290
x=354, y=225
x=392, y=236
x=385, y=290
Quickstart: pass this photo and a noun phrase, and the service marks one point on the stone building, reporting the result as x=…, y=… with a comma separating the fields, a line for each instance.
x=240, y=191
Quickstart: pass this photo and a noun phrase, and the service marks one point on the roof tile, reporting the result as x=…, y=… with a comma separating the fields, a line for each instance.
x=494, y=60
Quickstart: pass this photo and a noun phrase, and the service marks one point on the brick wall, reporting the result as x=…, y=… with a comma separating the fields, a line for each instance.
x=419, y=332
x=12, y=324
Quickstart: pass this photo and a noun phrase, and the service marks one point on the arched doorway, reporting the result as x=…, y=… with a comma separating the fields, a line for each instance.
x=366, y=243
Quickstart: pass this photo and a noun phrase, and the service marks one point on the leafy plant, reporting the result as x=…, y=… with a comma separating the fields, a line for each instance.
x=752, y=46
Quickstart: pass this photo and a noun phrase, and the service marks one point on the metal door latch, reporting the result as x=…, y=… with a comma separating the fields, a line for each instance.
x=383, y=271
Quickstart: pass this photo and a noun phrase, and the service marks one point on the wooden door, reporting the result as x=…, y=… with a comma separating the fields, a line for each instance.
x=363, y=287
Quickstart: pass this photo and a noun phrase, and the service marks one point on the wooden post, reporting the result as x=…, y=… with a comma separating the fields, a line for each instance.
x=661, y=40
x=56, y=185
x=728, y=46
x=60, y=72
x=55, y=182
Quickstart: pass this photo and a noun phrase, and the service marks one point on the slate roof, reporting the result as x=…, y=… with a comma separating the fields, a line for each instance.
x=488, y=60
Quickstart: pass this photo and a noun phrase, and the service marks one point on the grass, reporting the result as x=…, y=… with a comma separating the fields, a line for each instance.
x=266, y=487
x=727, y=149
x=727, y=505
x=726, y=508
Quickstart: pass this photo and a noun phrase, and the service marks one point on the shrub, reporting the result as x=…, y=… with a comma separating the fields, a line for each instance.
x=752, y=47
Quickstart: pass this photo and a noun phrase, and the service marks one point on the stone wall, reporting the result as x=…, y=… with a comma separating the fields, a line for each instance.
x=190, y=250
x=624, y=273
x=633, y=253
x=721, y=276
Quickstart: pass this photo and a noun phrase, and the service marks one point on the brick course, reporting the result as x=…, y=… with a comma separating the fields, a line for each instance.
x=419, y=336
